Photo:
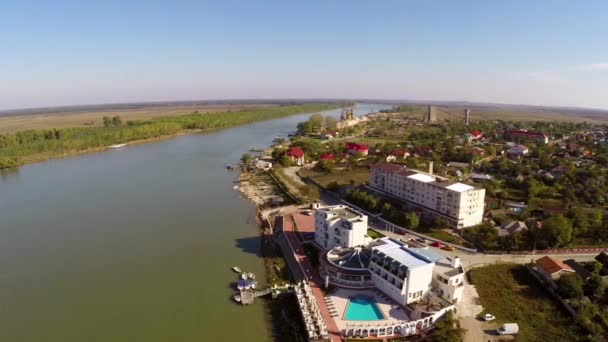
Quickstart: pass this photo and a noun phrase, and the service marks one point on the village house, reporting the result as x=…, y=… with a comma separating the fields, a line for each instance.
x=510, y=228
x=328, y=157
x=297, y=155
x=551, y=269
x=354, y=149
x=397, y=154
x=523, y=134
x=473, y=135
x=518, y=151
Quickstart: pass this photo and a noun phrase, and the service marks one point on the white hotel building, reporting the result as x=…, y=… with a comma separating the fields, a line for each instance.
x=340, y=226
x=408, y=274
x=460, y=204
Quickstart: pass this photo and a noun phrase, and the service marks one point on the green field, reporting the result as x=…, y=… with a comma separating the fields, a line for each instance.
x=510, y=293
x=342, y=177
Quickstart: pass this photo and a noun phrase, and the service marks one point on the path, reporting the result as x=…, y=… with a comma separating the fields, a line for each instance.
x=314, y=280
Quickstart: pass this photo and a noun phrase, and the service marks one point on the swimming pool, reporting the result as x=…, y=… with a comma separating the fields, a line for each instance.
x=362, y=308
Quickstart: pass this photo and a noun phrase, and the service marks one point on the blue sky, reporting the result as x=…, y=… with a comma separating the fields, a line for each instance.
x=82, y=52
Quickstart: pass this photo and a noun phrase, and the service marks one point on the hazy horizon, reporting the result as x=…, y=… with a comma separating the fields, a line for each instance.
x=65, y=53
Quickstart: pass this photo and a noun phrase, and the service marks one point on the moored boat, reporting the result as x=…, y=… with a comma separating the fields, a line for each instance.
x=243, y=275
x=236, y=269
x=237, y=298
x=251, y=275
x=117, y=146
x=240, y=286
x=254, y=284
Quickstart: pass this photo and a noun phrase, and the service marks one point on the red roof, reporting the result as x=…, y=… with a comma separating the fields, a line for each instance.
x=356, y=147
x=476, y=134
x=327, y=156
x=399, y=153
x=552, y=266
x=295, y=152
x=523, y=132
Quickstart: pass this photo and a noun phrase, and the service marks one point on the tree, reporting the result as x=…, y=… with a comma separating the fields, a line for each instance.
x=316, y=121
x=331, y=124
x=412, y=221
x=447, y=330
x=286, y=161
x=570, y=285
x=580, y=220
x=557, y=230
x=107, y=121
x=247, y=159
x=116, y=121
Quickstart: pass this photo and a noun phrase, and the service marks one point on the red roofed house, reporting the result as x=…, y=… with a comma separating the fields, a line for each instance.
x=327, y=156
x=524, y=134
x=551, y=269
x=296, y=154
x=354, y=148
x=473, y=135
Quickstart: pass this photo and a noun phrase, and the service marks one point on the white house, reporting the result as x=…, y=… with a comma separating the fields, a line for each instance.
x=340, y=226
x=460, y=204
x=518, y=151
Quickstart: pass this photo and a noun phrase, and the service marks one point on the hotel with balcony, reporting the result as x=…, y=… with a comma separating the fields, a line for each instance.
x=462, y=205
x=340, y=226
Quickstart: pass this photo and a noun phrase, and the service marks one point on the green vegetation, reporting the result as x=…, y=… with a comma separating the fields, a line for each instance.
x=27, y=146
x=510, y=293
x=338, y=177
x=374, y=234
x=447, y=330
x=570, y=286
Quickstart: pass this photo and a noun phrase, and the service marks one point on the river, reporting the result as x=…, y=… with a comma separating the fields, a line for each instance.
x=133, y=244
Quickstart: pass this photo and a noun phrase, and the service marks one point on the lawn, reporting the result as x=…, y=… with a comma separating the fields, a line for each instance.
x=441, y=235
x=359, y=175
x=374, y=234
x=510, y=293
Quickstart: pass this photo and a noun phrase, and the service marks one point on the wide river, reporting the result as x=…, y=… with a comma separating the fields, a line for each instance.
x=133, y=244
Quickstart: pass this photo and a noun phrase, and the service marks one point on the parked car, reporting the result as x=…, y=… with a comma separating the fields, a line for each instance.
x=447, y=248
x=508, y=329
x=488, y=317
x=437, y=244
x=421, y=240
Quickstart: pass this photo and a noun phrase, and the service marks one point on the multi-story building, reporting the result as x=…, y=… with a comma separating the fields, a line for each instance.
x=460, y=204
x=408, y=274
x=340, y=226
x=523, y=134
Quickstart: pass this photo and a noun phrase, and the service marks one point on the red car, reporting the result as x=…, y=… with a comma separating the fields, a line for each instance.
x=436, y=244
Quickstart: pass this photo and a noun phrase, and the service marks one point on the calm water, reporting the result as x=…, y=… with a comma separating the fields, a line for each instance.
x=133, y=244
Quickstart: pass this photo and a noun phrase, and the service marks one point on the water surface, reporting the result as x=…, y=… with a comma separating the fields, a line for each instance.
x=133, y=244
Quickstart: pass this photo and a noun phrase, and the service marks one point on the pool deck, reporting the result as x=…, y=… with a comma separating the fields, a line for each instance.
x=337, y=302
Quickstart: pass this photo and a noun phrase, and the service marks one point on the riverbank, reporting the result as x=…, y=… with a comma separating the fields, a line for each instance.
x=38, y=145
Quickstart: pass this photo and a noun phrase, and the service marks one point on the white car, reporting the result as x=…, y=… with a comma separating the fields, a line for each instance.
x=488, y=317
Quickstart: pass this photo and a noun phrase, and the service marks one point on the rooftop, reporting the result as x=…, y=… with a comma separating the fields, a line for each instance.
x=342, y=211
x=422, y=177
x=400, y=253
x=459, y=187
x=551, y=265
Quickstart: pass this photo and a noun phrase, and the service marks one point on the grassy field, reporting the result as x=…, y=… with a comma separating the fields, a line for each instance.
x=521, y=114
x=374, y=234
x=342, y=177
x=441, y=235
x=93, y=117
x=511, y=294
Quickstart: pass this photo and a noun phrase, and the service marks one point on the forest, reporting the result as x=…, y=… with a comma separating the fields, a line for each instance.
x=32, y=145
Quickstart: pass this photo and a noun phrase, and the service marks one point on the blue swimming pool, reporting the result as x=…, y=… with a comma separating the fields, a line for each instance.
x=362, y=308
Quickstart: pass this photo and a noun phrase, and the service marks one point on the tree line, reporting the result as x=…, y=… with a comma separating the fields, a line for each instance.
x=16, y=148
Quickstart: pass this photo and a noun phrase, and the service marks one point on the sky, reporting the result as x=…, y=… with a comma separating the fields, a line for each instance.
x=541, y=52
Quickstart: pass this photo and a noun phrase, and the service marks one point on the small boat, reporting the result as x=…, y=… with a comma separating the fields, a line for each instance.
x=240, y=286
x=254, y=284
x=237, y=298
x=247, y=286
x=236, y=187
x=243, y=275
x=117, y=146
x=236, y=269
x=251, y=275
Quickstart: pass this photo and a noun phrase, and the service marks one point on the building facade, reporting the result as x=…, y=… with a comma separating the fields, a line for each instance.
x=460, y=204
x=340, y=226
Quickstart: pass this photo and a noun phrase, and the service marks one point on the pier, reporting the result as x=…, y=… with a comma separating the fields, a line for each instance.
x=247, y=296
